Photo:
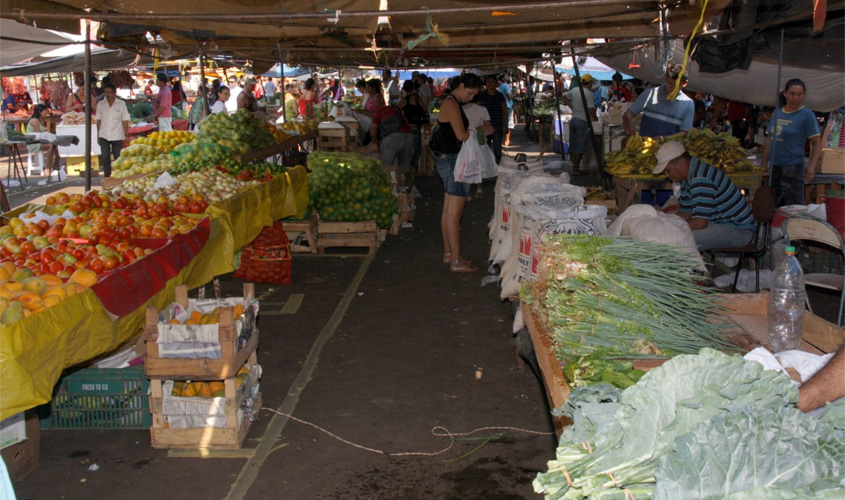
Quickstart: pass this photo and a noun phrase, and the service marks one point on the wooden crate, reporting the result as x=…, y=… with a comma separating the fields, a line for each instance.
x=230, y=437
x=407, y=209
x=348, y=234
x=307, y=227
x=231, y=359
x=333, y=139
x=749, y=311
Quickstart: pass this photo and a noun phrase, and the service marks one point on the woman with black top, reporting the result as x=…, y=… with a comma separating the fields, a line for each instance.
x=411, y=105
x=453, y=124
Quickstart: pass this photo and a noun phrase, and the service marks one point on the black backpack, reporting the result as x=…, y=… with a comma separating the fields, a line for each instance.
x=391, y=124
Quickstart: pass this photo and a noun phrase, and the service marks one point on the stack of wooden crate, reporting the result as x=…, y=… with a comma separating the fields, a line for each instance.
x=238, y=341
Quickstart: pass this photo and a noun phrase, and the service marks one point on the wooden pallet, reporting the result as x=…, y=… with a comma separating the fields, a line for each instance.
x=348, y=235
x=231, y=359
x=749, y=311
x=307, y=227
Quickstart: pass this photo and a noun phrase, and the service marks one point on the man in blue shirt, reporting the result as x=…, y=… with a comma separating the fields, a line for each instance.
x=662, y=116
x=709, y=201
x=505, y=89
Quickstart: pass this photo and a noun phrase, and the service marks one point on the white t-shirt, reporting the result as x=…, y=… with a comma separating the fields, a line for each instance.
x=269, y=88
x=578, y=110
x=476, y=114
x=232, y=103
x=111, y=119
x=219, y=106
x=425, y=94
x=393, y=94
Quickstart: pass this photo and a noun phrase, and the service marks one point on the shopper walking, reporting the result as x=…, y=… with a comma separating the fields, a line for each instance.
x=161, y=106
x=790, y=127
x=496, y=105
x=113, y=122
x=505, y=89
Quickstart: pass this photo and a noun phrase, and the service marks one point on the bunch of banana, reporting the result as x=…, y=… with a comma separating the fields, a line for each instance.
x=723, y=150
x=637, y=157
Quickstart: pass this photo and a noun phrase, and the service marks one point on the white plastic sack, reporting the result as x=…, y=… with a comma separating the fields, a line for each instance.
x=534, y=225
x=645, y=224
x=468, y=163
x=532, y=191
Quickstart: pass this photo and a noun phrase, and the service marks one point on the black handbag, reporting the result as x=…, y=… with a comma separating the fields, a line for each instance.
x=434, y=141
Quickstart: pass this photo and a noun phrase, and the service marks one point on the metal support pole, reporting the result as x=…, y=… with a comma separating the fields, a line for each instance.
x=282, y=80
x=202, y=86
x=557, y=109
x=595, y=143
x=88, y=103
x=771, y=164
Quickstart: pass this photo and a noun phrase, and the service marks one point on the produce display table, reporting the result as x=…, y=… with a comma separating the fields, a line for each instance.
x=749, y=311
x=79, y=148
x=36, y=349
x=628, y=186
x=137, y=131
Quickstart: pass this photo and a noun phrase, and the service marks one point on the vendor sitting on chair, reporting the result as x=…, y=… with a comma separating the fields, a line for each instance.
x=709, y=201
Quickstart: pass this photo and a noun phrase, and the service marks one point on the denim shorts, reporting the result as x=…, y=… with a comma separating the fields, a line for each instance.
x=446, y=169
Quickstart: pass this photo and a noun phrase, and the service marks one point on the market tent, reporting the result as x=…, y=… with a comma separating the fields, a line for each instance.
x=101, y=60
x=290, y=72
x=820, y=70
x=591, y=65
x=497, y=33
x=19, y=42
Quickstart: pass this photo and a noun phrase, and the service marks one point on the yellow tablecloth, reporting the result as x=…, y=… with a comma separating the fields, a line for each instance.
x=35, y=350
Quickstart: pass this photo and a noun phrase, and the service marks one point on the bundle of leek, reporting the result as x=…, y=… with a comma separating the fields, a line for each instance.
x=619, y=298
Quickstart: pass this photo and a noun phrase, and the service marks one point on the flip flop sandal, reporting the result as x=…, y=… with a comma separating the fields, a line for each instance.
x=447, y=258
x=462, y=266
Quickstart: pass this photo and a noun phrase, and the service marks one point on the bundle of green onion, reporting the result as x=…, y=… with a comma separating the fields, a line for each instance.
x=619, y=298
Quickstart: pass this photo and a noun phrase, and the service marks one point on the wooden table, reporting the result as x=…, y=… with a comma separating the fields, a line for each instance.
x=749, y=311
x=629, y=186
x=816, y=188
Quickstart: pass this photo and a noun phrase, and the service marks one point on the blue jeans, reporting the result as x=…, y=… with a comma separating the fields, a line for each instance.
x=446, y=169
x=788, y=183
x=396, y=150
x=721, y=236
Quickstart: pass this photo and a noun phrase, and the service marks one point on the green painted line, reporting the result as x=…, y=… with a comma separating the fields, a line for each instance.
x=250, y=471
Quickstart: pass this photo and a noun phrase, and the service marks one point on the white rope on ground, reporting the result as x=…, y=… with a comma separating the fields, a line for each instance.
x=438, y=431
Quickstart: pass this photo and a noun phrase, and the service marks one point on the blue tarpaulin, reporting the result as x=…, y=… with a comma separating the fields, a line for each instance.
x=290, y=72
x=433, y=73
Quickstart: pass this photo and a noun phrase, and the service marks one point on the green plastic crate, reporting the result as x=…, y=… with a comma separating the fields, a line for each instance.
x=113, y=398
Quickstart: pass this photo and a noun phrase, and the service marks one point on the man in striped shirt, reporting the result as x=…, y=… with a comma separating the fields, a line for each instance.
x=662, y=116
x=709, y=201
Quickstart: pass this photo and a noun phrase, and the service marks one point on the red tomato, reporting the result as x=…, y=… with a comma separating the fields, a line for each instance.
x=109, y=262
x=43, y=224
x=158, y=233
x=97, y=265
x=56, y=266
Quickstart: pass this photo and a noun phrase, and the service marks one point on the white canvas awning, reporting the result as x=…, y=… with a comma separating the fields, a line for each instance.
x=19, y=42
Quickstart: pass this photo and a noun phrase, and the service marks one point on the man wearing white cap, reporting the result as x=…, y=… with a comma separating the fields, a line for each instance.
x=709, y=201
x=579, y=129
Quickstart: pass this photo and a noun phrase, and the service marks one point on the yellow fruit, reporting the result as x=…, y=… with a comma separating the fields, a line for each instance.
x=31, y=301
x=4, y=274
x=217, y=387
x=4, y=304
x=14, y=312
x=204, y=390
x=191, y=322
x=196, y=316
x=35, y=284
x=21, y=274
x=56, y=291
x=52, y=280
x=190, y=391
x=239, y=309
x=84, y=277
x=178, y=387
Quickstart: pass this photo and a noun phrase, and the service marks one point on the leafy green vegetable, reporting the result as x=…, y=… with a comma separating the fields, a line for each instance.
x=668, y=402
x=772, y=453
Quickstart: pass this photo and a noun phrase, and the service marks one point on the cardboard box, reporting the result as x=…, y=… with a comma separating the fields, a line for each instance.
x=22, y=458
x=12, y=430
x=833, y=161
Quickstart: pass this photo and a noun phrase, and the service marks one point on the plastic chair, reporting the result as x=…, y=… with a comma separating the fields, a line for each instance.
x=763, y=208
x=35, y=163
x=809, y=228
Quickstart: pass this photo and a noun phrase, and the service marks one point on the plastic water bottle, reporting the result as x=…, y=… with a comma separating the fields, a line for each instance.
x=786, y=304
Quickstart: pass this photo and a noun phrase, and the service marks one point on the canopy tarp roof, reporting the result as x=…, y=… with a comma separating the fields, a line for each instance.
x=19, y=42
x=101, y=60
x=821, y=71
x=492, y=33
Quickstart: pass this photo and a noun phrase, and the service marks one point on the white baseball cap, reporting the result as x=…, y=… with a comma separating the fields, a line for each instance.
x=667, y=153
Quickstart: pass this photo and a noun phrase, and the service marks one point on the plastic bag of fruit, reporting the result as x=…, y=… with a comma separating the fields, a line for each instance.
x=267, y=258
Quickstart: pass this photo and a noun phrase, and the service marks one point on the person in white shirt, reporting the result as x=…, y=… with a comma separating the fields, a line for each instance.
x=392, y=93
x=223, y=94
x=234, y=90
x=112, y=125
x=423, y=91
x=269, y=89
x=579, y=129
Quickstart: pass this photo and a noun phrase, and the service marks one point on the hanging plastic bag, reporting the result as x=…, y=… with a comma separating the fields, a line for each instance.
x=468, y=164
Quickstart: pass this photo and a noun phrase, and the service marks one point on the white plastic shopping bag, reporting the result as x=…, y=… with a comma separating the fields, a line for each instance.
x=468, y=164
